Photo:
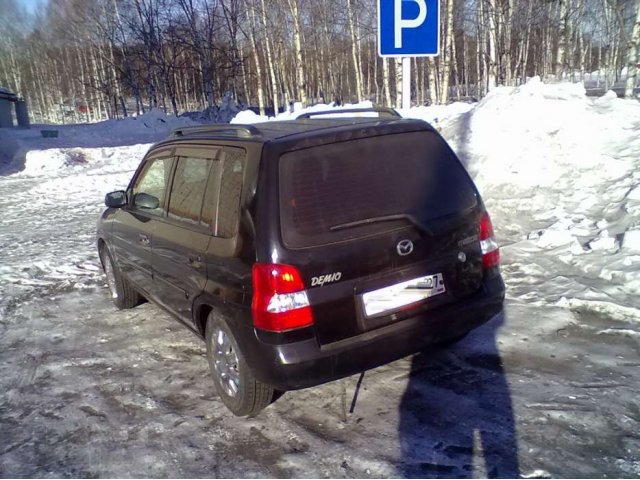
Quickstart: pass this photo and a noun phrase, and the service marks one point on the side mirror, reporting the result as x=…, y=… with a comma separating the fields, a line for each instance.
x=115, y=199
x=146, y=201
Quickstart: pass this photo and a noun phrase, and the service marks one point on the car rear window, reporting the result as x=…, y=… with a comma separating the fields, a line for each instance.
x=325, y=186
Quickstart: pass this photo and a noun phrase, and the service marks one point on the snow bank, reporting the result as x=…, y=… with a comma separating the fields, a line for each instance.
x=47, y=161
x=228, y=109
x=248, y=117
x=560, y=173
x=155, y=121
x=62, y=162
x=26, y=151
x=79, y=161
x=151, y=126
x=438, y=115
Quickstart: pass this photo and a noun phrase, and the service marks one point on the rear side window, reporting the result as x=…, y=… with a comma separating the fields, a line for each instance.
x=230, y=189
x=187, y=190
x=336, y=184
x=221, y=209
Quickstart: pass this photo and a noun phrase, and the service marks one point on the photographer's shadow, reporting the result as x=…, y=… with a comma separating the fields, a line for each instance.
x=456, y=417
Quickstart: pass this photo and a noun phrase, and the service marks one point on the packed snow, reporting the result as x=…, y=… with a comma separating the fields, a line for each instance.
x=549, y=388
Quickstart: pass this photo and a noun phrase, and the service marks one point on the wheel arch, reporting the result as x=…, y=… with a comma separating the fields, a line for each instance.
x=201, y=313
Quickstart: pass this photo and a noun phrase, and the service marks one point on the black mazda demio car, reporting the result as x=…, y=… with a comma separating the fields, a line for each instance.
x=304, y=251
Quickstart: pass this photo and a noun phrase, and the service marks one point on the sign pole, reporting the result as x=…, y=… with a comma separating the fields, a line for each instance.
x=406, y=82
x=408, y=29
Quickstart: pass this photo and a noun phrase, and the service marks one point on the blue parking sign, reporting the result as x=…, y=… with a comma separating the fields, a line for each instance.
x=408, y=28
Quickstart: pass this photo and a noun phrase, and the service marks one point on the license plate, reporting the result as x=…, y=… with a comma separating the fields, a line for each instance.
x=400, y=295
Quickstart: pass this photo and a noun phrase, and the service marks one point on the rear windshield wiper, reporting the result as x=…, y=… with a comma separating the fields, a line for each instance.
x=384, y=218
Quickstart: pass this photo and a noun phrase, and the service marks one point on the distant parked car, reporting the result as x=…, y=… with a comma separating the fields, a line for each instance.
x=304, y=251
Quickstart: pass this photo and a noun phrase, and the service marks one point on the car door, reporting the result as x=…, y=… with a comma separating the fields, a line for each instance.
x=181, y=240
x=135, y=224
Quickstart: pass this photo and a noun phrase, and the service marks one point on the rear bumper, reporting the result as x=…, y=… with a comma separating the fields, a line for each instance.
x=305, y=363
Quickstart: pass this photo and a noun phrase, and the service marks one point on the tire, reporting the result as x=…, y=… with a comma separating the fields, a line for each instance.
x=237, y=387
x=122, y=293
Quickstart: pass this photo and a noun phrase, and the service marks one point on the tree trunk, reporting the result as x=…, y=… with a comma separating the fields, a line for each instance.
x=445, y=72
x=633, y=49
x=355, y=51
x=493, y=47
x=399, y=92
x=454, y=68
x=375, y=78
x=562, y=41
x=506, y=48
x=270, y=60
x=256, y=57
x=433, y=81
x=581, y=53
x=523, y=57
x=481, y=51
x=302, y=86
x=415, y=73
x=386, y=83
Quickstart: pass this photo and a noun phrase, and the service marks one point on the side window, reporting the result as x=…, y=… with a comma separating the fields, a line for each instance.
x=210, y=204
x=187, y=191
x=221, y=208
x=230, y=189
x=153, y=181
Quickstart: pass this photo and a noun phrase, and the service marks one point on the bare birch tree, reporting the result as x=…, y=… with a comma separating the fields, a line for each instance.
x=633, y=54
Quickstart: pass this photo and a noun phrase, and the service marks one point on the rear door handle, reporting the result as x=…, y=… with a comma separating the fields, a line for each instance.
x=144, y=240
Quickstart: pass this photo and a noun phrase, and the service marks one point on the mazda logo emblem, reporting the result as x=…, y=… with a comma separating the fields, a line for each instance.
x=404, y=248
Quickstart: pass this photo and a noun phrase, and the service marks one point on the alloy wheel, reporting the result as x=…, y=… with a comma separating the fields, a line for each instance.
x=225, y=360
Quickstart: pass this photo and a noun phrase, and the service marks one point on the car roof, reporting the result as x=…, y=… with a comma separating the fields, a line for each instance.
x=276, y=130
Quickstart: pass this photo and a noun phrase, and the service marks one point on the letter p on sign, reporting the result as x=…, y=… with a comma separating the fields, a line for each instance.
x=402, y=23
x=408, y=28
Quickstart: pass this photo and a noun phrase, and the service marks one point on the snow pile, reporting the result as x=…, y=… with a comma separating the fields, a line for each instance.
x=249, y=117
x=224, y=113
x=153, y=121
x=66, y=161
x=151, y=126
x=438, y=115
x=85, y=161
x=47, y=161
x=560, y=173
x=26, y=149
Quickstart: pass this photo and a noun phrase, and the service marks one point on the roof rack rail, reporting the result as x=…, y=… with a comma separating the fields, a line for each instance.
x=381, y=111
x=237, y=130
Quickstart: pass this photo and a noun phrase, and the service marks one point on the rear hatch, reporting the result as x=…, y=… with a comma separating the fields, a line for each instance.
x=381, y=228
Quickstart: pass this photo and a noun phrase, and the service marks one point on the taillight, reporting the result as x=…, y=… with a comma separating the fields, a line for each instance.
x=488, y=244
x=280, y=300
